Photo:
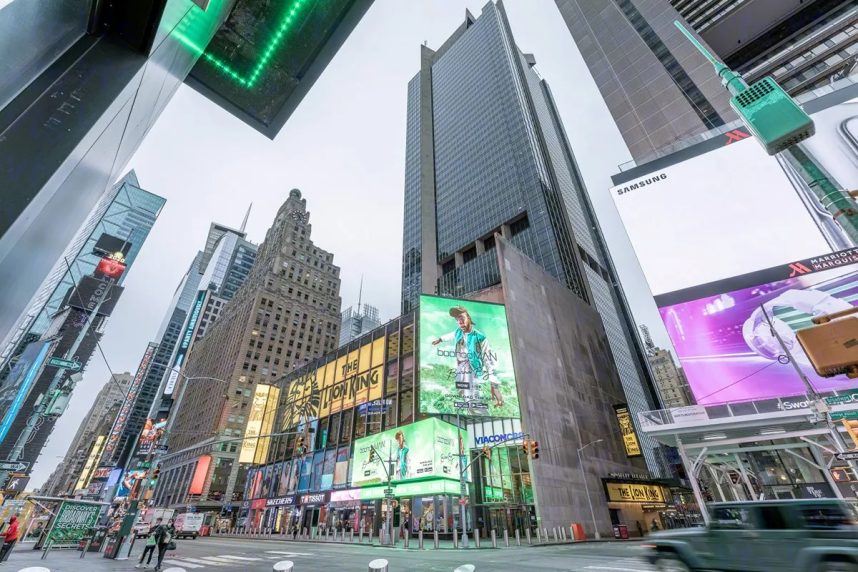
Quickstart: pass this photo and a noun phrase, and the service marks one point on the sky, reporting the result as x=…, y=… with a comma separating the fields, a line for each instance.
x=344, y=148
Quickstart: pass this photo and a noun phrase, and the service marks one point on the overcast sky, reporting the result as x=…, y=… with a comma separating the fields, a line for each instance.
x=344, y=148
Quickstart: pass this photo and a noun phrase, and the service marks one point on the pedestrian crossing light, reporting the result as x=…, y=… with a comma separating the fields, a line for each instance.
x=770, y=114
x=487, y=452
x=534, y=449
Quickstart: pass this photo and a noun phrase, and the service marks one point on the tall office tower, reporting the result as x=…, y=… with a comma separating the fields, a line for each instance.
x=93, y=79
x=802, y=44
x=670, y=380
x=70, y=320
x=286, y=313
x=77, y=468
x=357, y=321
x=486, y=153
x=658, y=88
x=214, y=276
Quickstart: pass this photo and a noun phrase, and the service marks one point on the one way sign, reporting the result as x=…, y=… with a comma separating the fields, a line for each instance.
x=13, y=466
x=847, y=456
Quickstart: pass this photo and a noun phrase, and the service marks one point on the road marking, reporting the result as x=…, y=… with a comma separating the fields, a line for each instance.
x=180, y=563
x=239, y=558
x=198, y=561
x=289, y=553
x=612, y=568
x=217, y=559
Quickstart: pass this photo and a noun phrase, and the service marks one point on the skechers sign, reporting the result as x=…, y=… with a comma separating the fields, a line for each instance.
x=190, y=329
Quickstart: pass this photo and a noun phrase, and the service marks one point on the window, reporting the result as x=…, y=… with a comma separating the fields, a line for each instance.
x=827, y=517
x=730, y=518
x=772, y=518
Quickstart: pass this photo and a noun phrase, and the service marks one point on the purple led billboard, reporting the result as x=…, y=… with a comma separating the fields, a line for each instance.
x=724, y=343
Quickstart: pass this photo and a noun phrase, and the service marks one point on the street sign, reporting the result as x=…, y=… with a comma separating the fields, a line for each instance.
x=846, y=456
x=64, y=363
x=837, y=415
x=841, y=399
x=14, y=466
x=388, y=491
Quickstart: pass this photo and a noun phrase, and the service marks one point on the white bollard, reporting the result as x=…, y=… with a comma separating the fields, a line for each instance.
x=378, y=565
x=506, y=538
x=284, y=566
x=465, y=568
x=34, y=569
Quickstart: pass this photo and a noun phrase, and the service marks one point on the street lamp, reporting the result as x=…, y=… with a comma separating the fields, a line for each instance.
x=586, y=488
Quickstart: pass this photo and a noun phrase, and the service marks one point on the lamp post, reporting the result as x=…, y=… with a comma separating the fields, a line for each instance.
x=586, y=488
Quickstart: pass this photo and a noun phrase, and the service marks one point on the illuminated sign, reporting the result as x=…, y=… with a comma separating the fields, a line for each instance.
x=110, y=267
x=627, y=430
x=315, y=498
x=128, y=403
x=150, y=436
x=352, y=379
x=636, y=492
x=281, y=501
x=187, y=338
x=94, y=456
x=91, y=291
x=200, y=473
x=260, y=422
x=465, y=359
x=23, y=389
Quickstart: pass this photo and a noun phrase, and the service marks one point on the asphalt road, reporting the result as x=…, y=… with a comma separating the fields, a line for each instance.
x=239, y=555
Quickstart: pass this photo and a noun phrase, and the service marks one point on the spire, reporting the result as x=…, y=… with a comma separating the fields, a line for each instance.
x=246, y=216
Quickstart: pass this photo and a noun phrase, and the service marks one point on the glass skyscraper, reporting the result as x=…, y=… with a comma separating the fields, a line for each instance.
x=486, y=153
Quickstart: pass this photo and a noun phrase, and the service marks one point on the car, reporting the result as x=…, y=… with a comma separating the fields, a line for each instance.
x=763, y=536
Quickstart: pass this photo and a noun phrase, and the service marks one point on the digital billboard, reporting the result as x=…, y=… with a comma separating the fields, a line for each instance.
x=259, y=422
x=725, y=344
x=731, y=209
x=465, y=359
x=426, y=449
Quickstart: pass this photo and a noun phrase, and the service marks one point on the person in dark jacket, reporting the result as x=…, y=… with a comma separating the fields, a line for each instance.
x=164, y=535
x=10, y=537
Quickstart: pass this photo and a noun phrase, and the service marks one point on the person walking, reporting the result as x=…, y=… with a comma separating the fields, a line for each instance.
x=9, y=539
x=164, y=535
x=149, y=549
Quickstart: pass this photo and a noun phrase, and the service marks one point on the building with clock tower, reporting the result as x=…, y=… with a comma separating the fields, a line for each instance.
x=286, y=313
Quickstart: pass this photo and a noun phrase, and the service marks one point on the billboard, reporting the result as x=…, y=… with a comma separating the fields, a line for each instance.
x=465, y=359
x=128, y=404
x=724, y=342
x=733, y=209
x=150, y=436
x=21, y=379
x=90, y=291
x=72, y=522
x=187, y=338
x=422, y=450
x=627, y=430
x=259, y=422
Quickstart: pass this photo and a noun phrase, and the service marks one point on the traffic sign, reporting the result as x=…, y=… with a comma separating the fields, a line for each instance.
x=388, y=491
x=64, y=363
x=846, y=456
x=837, y=415
x=13, y=465
x=841, y=399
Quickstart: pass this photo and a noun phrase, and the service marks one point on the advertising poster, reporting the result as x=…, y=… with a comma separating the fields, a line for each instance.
x=465, y=359
x=150, y=436
x=426, y=449
x=72, y=522
x=725, y=345
x=627, y=430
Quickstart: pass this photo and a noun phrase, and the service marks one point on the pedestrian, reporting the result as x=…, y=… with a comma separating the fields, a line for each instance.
x=164, y=535
x=9, y=539
x=640, y=528
x=149, y=549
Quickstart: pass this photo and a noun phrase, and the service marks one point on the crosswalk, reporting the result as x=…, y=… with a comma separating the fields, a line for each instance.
x=223, y=560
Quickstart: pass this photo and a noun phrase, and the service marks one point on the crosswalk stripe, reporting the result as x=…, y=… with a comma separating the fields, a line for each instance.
x=231, y=557
x=180, y=563
x=288, y=553
x=198, y=561
x=217, y=559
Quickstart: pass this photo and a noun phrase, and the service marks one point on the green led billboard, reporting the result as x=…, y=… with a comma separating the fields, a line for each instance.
x=422, y=450
x=465, y=359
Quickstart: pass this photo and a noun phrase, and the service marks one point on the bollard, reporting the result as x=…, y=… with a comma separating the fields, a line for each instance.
x=527, y=534
x=306, y=534
x=420, y=539
x=435, y=532
x=465, y=568
x=545, y=533
x=477, y=537
x=538, y=536
x=455, y=538
x=378, y=565
x=554, y=533
x=407, y=539
x=370, y=534
x=284, y=566
x=563, y=533
x=328, y=535
x=494, y=538
x=86, y=547
x=517, y=537
x=572, y=534
x=352, y=536
x=131, y=547
x=360, y=536
x=506, y=538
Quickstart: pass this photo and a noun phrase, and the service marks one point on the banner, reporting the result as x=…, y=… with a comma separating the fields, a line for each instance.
x=627, y=430
x=72, y=522
x=465, y=359
x=428, y=448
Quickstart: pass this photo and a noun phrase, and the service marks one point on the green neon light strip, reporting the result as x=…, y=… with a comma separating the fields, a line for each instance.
x=249, y=80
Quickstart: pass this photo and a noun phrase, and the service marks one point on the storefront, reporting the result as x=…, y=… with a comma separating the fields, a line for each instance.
x=640, y=505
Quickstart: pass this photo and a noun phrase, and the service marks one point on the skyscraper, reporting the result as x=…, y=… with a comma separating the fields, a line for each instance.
x=285, y=314
x=358, y=320
x=69, y=313
x=78, y=466
x=486, y=153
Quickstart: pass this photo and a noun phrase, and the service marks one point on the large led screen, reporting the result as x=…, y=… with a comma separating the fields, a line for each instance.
x=426, y=449
x=465, y=359
x=725, y=344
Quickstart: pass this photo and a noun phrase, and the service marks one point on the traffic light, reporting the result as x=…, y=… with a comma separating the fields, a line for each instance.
x=299, y=444
x=487, y=452
x=534, y=449
x=525, y=447
x=373, y=456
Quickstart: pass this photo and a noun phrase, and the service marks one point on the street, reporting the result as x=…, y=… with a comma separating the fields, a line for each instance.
x=234, y=555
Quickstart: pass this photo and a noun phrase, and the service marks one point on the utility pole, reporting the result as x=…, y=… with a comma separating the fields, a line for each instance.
x=54, y=390
x=463, y=484
x=587, y=488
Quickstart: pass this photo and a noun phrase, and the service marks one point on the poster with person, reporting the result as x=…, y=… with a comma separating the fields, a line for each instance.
x=466, y=363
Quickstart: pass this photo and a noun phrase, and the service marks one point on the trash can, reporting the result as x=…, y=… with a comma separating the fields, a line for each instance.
x=99, y=533
x=578, y=531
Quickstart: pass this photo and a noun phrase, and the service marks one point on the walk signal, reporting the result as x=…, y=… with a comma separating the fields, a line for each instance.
x=534, y=449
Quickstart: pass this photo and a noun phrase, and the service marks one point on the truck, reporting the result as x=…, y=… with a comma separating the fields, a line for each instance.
x=188, y=524
x=148, y=518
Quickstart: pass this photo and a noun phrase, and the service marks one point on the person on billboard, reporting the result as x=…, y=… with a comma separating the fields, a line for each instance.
x=759, y=336
x=475, y=362
x=402, y=456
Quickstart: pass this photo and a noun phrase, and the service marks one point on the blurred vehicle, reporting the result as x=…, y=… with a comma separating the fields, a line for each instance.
x=147, y=518
x=188, y=524
x=764, y=536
